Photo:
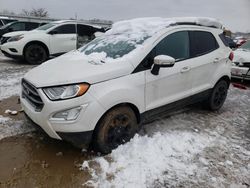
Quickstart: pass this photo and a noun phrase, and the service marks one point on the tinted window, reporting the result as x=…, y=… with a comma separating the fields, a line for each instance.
x=85, y=30
x=175, y=45
x=30, y=25
x=202, y=42
x=66, y=29
x=18, y=26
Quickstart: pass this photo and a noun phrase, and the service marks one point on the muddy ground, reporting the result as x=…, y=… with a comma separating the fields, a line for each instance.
x=29, y=158
x=35, y=160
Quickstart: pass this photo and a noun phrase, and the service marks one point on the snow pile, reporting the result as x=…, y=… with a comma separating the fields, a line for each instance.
x=191, y=148
x=9, y=127
x=145, y=160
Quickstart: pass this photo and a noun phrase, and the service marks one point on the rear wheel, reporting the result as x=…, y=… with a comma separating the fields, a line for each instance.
x=218, y=95
x=35, y=54
x=117, y=127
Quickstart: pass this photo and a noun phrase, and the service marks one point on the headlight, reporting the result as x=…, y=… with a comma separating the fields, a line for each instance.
x=66, y=92
x=15, y=38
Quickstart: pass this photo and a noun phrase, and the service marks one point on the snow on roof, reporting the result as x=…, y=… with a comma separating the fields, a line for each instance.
x=153, y=24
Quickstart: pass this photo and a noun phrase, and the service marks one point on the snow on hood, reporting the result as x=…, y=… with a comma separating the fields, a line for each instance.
x=15, y=33
x=241, y=56
x=75, y=67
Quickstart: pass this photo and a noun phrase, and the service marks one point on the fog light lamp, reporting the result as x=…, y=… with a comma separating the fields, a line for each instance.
x=69, y=115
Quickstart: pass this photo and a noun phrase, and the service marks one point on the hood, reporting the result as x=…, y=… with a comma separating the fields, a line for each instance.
x=15, y=33
x=241, y=56
x=75, y=67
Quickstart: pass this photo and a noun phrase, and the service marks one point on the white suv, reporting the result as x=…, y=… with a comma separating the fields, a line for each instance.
x=52, y=39
x=102, y=92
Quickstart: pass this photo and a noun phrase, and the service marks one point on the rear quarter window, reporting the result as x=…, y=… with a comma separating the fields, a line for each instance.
x=202, y=42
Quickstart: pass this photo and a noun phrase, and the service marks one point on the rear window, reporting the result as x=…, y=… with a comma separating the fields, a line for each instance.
x=202, y=42
x=224, y=39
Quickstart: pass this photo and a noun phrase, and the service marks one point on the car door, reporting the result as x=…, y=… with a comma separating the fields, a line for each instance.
x=206, y=55
x=85, y=34
x=63, y=38
x=172, y=83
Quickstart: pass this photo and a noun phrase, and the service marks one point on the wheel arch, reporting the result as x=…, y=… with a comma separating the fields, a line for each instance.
x=130, y=105
x=226, y=78
x=37, y=42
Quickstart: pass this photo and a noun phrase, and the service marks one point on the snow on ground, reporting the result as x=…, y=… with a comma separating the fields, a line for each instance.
x=9, y=127
x=10, y=77
x=194, y=148
x=11, y=73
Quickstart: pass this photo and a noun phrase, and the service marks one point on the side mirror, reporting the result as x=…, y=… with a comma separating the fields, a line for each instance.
x=162, y=61
x=53, y=32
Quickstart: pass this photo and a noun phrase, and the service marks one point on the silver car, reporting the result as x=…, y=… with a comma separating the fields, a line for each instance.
x=241, y=62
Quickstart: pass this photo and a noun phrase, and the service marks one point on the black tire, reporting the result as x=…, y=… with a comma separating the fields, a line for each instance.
x=217, y=96
x=117, y=127
x=35, y=54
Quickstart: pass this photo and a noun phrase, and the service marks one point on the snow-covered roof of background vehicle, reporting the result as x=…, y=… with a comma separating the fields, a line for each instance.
x=153, y=24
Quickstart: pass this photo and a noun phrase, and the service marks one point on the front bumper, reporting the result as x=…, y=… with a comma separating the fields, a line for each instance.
x=12, y=49
x=240, y=72
x=78, y=131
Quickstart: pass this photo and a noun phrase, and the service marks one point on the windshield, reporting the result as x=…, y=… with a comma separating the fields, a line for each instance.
x=115, y=46
x=7, y=25
x=46, y=26
x=246, y=45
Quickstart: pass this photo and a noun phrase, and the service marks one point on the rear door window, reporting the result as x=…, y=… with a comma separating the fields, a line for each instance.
x=66, y=29
x=202, y=42
x=30, y=26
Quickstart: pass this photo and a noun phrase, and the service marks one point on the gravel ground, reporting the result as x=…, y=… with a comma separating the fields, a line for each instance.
x=190, y=148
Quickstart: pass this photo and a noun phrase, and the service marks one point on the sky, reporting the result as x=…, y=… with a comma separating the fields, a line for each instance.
x=235, y=14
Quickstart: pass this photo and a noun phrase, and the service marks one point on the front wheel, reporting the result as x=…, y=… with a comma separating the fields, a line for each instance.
x=117, y=127
x=218, y=95
x=35, y=54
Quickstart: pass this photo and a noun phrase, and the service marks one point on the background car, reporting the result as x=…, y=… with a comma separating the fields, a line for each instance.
x=231, y=42
x=19, y=26
x=241, y=62
x=5, y=20
x=52, y=39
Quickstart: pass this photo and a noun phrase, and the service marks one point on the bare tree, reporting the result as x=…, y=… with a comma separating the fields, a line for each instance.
x=25, y=12
x=40, y=12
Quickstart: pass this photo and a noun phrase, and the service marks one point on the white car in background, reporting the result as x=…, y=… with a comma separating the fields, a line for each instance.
x=241, y=62
x=52, y=39
x=102, y=92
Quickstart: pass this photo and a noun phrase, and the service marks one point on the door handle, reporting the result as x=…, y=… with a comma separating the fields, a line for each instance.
x=216, y=60
x=73, y=38
x=185, y=69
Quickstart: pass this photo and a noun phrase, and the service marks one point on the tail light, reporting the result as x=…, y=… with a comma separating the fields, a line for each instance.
x=231, y=56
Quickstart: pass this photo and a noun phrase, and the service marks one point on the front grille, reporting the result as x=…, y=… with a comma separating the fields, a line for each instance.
x=4, y=40
x=29, y=92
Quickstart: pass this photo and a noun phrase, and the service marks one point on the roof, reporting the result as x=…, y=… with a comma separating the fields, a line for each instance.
x=152, y=25
x=73, y=21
